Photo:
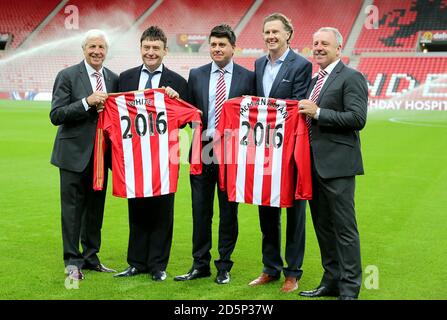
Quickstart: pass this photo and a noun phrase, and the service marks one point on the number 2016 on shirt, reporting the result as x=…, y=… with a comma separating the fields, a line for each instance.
x=144, y=125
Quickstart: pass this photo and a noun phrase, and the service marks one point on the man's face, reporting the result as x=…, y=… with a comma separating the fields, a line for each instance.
x=325, y=48
x=152, y=53
x=221, y=51
x=95, y=52
x=275, y=36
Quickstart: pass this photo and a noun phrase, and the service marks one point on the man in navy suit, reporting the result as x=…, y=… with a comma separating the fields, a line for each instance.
x=202, y=85
x=282, y=74
x=151, y=219
x=338, y=113
x=78, y=96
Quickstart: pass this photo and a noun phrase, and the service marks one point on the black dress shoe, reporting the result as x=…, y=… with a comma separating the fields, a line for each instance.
x=319, y=292
x=99, y=268
x=129, y=272
x=346, y=298
x=159, y=275
x=193, y=274
x=223, y=277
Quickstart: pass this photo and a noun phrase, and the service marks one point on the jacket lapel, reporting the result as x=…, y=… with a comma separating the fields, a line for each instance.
x=85, y=78
x=235, y=80
x=259, y=77
x=282, y=71
x=107, y=79
x=165, y=79
x=311, y=86
x=205, y=85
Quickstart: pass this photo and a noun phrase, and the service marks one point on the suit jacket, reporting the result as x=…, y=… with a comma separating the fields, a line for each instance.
x=242, y=83
x=130, y=79
x=292, y=80
x=75, y=136
x=335, y=136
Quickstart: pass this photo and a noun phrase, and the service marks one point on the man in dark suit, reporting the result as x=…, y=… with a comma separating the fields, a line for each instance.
x=207, y=93
x=151, y=219
x=78, y=95
x=282, y=74
x=337, y=113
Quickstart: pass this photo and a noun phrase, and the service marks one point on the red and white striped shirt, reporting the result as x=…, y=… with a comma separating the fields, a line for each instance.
x=142, y=129
x=265, y=155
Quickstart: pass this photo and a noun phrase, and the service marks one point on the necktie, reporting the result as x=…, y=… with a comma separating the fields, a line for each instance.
x=149, y=80
x=220, y=96
x=99, y=86
x=314, y=98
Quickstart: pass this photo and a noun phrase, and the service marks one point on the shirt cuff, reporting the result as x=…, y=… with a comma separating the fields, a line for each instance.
x=85, y=104
x=317, y=114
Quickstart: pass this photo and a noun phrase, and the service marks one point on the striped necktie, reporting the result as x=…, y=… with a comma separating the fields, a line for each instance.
x=99, y=86
x=314, y=98
x=220, y=96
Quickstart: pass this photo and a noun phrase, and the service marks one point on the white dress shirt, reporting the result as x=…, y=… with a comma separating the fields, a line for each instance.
x=144, y=76
x=214, y=76
x=91, y=75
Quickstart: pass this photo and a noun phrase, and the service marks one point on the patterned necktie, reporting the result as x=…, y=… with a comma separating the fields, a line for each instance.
x=314, y=98
x=149, y=80
x=99, y=86
x=221, y=92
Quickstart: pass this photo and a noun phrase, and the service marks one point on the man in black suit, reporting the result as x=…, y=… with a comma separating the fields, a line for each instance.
x=151, y=219
x=282, y=74
x=78, y=95
x=337, y=113
x=204, y=92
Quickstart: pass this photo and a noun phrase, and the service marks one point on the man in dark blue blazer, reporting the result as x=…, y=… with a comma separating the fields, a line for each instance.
x=338, y=113
x=202, y=85
x=78, y=95
x=151, y=219
x=281, y=74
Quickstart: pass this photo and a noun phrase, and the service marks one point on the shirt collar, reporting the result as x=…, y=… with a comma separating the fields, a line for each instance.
x=228, y=68
x=160, y=68
x=90, y=69
x=331, y=67
x=282, y=58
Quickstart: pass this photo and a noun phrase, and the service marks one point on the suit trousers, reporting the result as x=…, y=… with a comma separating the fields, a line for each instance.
x=150, y=232
x=333, y=215
x=270, y=221
x=202, y=191
x=82, y=215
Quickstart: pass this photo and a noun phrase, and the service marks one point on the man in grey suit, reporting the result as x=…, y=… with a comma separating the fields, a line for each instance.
x=78, y=95
x=337, y=113
x=204, y=92
x=282, y=74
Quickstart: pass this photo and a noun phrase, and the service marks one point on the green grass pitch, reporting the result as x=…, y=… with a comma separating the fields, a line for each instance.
x=401, y=212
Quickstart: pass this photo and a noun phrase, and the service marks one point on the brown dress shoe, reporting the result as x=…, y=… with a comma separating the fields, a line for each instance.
x=263, y=279
x=290, y=284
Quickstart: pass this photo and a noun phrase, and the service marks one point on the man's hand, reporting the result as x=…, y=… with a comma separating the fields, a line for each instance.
x=97, y=99
x=171, y=93
x=308, y=107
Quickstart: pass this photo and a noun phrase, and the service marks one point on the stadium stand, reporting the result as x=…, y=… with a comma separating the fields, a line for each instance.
x=92, y=14
x=390, y=77
x=196, y=16
x=20, y=18
x=399, y=24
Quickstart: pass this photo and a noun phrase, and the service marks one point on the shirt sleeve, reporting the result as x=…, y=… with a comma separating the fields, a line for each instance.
x=302, y=158
x=186, y=113
x=220, y=141
x=98, y=154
